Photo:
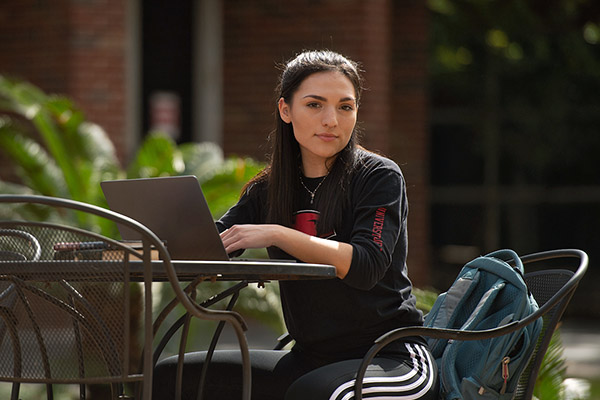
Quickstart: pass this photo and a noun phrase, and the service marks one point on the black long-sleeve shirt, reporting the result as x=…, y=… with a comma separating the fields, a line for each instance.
x=343, y=316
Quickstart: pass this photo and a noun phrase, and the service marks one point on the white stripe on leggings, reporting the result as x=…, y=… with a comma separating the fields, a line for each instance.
x=427, y=367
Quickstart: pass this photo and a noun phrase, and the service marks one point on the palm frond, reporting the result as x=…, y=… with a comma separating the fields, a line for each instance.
x=32, y=163
x=552, y=372
x=157, y=156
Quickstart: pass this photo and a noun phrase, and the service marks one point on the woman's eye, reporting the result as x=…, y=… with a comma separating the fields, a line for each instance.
x=313, y=105
x=347, y=107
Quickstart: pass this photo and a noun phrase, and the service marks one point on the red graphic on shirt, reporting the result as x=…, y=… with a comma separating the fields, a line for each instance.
x=306, y=221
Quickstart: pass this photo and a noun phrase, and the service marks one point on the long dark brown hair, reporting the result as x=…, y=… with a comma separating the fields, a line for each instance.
x=282, y=173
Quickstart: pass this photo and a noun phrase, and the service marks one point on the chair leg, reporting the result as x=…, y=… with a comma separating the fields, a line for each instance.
x=16, y=388
x=213, y=346
x=49, y=392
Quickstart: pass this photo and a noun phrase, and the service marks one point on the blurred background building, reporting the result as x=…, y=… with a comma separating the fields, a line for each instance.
x=491, y=108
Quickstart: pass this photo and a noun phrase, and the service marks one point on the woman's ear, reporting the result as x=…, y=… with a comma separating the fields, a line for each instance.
x=284, y=110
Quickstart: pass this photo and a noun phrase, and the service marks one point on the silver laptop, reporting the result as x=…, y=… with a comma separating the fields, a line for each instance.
x=174, y=208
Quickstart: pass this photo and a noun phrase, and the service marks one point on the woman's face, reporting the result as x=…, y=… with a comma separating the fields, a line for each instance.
x=323, y=113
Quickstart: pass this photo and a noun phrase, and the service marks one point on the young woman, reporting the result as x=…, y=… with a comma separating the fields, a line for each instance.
x=323, y=199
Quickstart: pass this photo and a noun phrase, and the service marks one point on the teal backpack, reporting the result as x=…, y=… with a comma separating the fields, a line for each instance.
x=487, y=293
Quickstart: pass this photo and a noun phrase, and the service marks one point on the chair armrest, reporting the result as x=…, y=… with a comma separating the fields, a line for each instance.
x=437, y=333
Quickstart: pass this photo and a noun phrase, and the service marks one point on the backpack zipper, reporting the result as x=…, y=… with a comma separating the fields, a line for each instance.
x=505, y=374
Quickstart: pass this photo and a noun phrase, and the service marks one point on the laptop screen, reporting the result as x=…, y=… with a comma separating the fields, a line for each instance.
x=174, y=208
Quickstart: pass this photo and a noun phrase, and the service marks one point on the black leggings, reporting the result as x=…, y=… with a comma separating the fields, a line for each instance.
x=290, y=375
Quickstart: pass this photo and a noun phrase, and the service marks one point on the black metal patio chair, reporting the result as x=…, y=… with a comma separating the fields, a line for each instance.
x=552, y=289
x=67, y=301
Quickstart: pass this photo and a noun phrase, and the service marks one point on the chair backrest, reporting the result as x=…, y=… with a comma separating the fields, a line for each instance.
x=487, y=293
x=545, y=285
x=552, y=288
x=29, y=250
x=67, y=300
x=69, y=312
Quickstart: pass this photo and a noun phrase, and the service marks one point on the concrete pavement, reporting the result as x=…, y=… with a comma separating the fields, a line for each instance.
x=581, y=344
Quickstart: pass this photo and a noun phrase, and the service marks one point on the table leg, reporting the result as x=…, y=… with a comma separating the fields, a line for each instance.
x=213, y=345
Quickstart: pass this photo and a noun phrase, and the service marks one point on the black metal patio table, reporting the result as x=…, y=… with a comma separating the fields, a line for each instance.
x=242, y=271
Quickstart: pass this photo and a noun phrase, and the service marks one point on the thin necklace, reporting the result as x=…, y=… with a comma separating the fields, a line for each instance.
x=312, y=192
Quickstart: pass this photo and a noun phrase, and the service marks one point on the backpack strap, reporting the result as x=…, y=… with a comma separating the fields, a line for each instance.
x=507, y=255
x=486, y=301
x=495, y=264
x=455, y=297
x=443, y=313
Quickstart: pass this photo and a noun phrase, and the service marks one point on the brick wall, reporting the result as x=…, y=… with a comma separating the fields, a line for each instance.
x=258, y=38
x=33, y=42
x=409, y=136
x=76, y=48
x=96, y=66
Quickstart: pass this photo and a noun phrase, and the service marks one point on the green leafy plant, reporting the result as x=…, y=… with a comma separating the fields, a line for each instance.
x=56, y=152
x=552, y=371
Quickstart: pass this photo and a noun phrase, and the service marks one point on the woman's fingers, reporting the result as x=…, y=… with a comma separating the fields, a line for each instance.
x=246, y=237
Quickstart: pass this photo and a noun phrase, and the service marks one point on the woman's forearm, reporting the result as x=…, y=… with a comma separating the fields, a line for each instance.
x=307, y=248
x=312, y=249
